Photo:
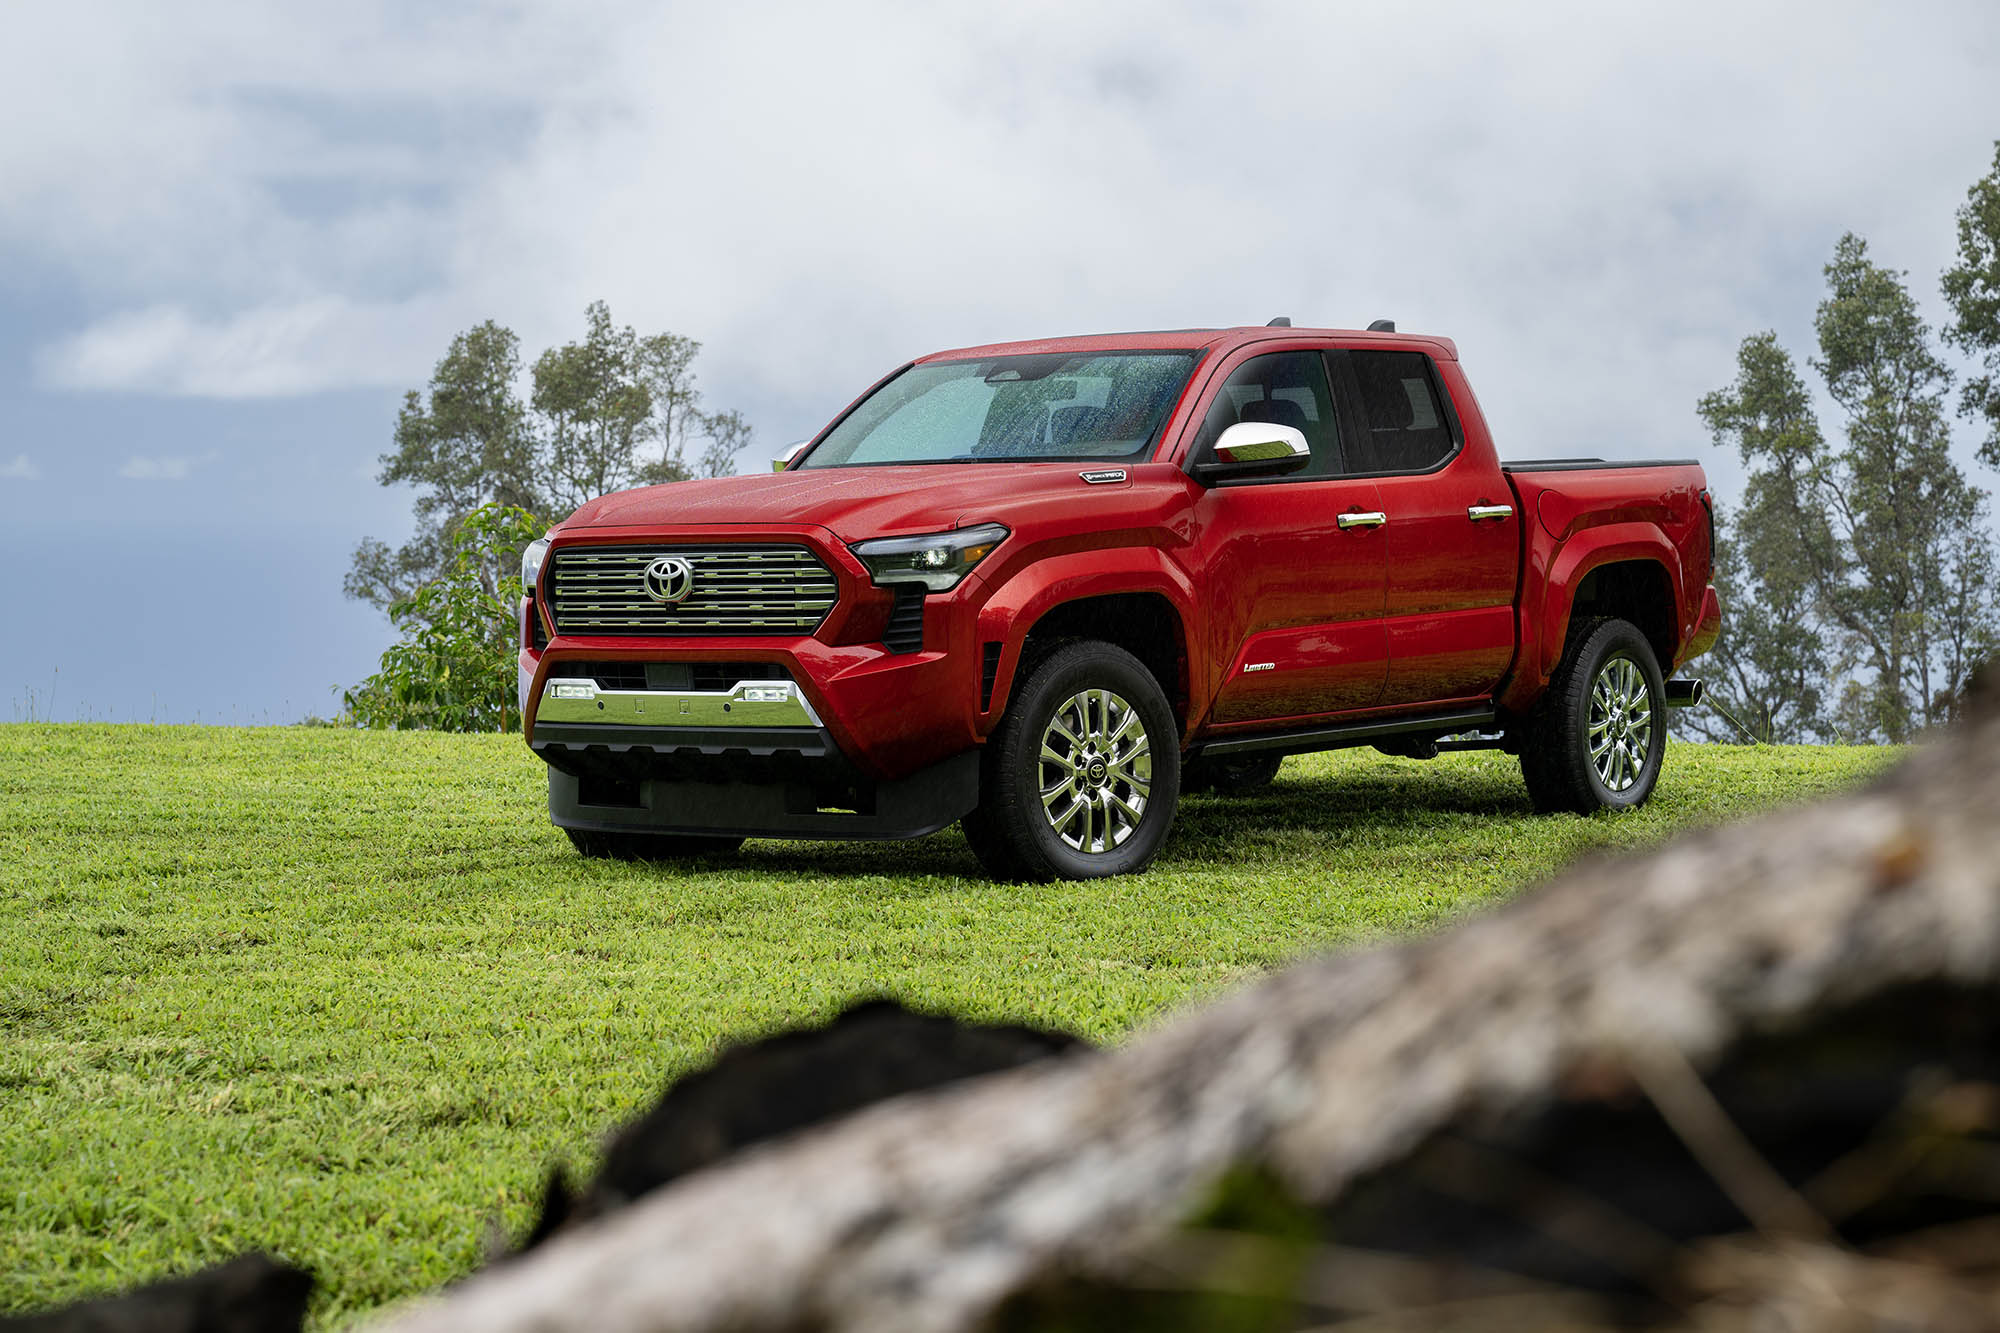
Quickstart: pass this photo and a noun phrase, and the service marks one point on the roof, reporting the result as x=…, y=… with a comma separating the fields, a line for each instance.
x=1190, y=339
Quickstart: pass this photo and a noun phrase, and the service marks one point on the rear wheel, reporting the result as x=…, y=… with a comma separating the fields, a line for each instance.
x=1597, y=738
x=1081, y=778
x=633, y=845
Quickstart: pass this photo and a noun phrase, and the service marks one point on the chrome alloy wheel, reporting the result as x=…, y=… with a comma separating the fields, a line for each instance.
x=1621, y=723
x=1096, y=771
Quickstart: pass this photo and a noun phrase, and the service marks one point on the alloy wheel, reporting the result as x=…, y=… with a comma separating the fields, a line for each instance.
x=1621, y=723
x=1096, y=770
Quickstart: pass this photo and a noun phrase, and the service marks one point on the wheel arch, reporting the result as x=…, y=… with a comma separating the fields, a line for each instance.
x=1145, y=624
x=1629, y=571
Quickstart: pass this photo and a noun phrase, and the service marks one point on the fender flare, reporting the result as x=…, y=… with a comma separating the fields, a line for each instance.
x=1547, y=603
x=1010, y=614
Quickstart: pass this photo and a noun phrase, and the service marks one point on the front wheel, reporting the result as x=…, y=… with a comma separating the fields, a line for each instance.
x=633, y=845
x=1597, y=738
x=1081, y=778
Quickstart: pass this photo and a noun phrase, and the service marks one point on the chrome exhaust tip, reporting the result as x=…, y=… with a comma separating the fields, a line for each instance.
x=1684, y=693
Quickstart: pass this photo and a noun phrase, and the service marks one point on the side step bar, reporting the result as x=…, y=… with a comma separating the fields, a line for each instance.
x=1350, y=733
x=1685, y=693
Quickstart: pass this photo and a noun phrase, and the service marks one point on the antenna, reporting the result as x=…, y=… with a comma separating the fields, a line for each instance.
x=1383, y=326
x=1281, y=322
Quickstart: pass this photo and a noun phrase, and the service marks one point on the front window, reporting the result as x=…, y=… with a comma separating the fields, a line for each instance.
x=998, y=409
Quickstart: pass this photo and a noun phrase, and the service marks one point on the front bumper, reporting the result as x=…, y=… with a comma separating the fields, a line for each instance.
x=748, y=703
x=753, y=782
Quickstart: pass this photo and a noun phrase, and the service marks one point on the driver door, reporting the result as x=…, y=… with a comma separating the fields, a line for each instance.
x=1296, y=565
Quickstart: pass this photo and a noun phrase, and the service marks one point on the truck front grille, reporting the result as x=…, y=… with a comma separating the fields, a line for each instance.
x=734, y=590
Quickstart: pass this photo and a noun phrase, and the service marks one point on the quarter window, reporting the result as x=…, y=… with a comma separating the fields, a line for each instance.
x=1404, y=427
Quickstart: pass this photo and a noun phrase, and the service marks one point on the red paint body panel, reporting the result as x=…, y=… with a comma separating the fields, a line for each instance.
x=1431, y=610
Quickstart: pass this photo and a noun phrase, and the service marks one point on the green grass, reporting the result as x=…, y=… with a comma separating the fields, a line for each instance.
x=345, y=995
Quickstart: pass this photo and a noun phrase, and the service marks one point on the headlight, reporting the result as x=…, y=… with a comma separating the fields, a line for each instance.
x=531, y=563
x=938, y=561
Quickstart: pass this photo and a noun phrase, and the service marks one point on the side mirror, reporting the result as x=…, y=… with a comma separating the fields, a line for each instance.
x=784, y=460
x=1255, y=449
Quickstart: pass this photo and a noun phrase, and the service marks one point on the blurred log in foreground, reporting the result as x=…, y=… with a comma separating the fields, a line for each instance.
x=1746, y=1080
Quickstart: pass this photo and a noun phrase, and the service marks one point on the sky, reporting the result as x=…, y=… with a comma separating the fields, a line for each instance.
x=232, y=236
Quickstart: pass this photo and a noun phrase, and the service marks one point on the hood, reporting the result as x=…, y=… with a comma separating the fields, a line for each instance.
x=854, y=503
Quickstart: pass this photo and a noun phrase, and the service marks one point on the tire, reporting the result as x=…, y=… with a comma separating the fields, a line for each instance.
x=1112, y=752
x=1606, y=687
x=1231, y=777
x=635, y=845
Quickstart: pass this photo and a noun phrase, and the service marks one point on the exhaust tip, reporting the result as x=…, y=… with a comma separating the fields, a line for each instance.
x=1685, y=693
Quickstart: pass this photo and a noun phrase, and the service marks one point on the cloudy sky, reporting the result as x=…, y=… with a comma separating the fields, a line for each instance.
x=232, y=235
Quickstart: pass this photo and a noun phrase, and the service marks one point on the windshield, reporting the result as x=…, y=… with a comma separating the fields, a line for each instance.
x=1091, y=405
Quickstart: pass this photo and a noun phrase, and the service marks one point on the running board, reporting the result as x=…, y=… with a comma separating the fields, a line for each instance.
x=1349, y=733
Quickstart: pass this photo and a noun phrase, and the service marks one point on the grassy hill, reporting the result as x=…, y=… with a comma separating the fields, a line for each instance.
x=345, y=995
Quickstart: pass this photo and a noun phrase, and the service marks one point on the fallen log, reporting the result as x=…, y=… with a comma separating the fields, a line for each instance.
x=930, y=1212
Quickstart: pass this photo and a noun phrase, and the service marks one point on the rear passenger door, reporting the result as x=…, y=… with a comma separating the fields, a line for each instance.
x=1295, y=623
x=1452, y=557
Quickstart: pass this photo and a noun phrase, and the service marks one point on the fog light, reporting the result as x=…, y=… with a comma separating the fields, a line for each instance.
x=767, y=694
x=572, y=689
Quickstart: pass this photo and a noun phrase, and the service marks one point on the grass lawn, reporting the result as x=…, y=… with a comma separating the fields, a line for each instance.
x=345, y=995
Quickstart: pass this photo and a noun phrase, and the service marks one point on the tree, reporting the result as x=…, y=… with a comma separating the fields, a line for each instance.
x=453, y=669
x=612, y=411
x=466, y=444
x=1972, y=289
x=1871, y=558
x=1767, y=669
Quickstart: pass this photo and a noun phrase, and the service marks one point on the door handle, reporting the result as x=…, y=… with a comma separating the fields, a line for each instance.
x=1477, y=512
x=1372, y=519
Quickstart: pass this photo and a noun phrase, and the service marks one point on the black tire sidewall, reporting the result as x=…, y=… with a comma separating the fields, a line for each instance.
x=1617, y=639
x=1018, y=810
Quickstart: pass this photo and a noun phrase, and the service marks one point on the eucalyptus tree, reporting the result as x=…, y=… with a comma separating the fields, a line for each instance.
x=1868, y=563
x=1972, y=289
x=611, y=410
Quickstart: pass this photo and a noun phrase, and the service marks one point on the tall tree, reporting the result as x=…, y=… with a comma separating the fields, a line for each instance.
x=1767, y=672
x=1878, y=546
x=465, y=443
x=1972, y=289
x=610, y=411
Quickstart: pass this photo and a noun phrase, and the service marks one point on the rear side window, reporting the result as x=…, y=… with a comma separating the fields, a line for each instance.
x=1403, y=426
x=1288, y=388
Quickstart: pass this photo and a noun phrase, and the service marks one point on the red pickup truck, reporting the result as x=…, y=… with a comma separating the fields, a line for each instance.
x=1044, y=588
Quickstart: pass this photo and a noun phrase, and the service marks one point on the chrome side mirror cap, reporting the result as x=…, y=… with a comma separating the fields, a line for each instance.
x=785, y=460
x=1255, y=449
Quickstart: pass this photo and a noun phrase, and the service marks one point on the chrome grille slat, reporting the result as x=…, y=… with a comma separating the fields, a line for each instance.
x=737, y=590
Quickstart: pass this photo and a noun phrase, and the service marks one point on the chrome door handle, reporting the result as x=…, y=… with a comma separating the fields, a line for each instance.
x=1477, y=512
x=1373, y=519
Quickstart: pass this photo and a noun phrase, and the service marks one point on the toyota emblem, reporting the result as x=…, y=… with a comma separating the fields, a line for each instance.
x=669, y=579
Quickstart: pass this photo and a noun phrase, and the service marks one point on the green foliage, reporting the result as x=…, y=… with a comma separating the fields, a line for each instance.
x=1972, y=289
x=619, y=410
x=454, y=667
x=1864, y=568
x=346, y=994
x=612, y=411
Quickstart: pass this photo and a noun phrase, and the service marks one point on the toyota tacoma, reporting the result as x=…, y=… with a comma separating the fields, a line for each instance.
x=1044, y=588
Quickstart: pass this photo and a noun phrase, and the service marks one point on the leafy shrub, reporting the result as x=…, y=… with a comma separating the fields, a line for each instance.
x=453, y=669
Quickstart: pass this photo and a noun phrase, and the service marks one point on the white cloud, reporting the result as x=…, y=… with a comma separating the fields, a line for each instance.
x=172, y=468
x=1597, y=202
x=22, y=468
x=270, y=351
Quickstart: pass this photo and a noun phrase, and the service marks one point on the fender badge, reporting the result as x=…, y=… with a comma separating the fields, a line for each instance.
x=1104, y=477
x=1259, y=666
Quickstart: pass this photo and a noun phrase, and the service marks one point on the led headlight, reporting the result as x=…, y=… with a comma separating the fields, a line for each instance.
x=531, y=563
x=938, y=560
